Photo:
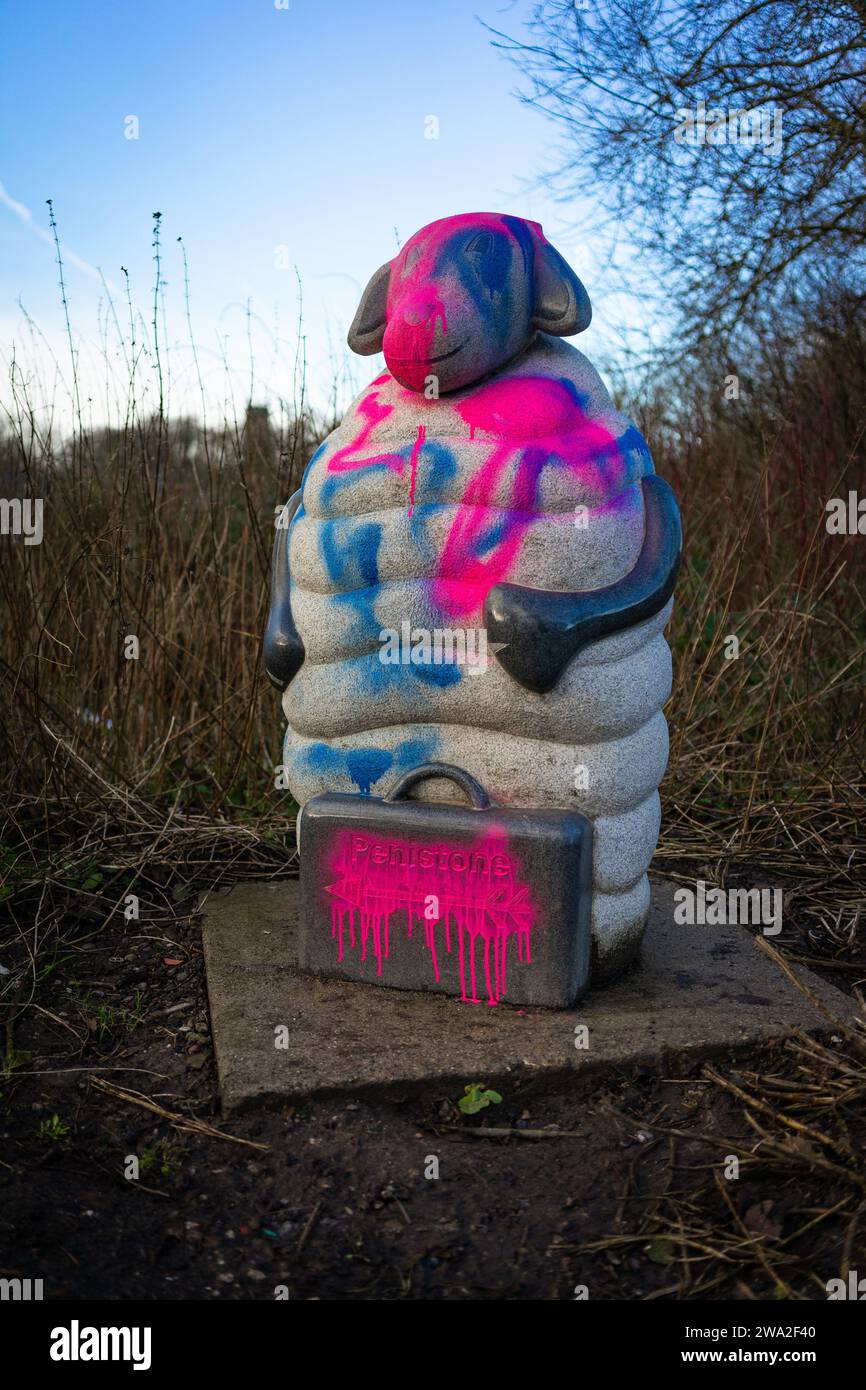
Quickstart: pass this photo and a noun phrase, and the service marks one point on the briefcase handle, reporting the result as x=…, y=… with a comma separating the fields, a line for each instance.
x=467, y=783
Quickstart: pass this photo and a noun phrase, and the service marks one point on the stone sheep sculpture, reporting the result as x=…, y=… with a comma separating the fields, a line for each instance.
x=478, y=567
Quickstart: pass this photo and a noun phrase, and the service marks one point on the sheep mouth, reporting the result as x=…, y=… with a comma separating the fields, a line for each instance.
x=421, y=361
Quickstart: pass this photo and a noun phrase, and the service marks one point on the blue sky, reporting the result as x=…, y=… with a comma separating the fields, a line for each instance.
x=269, y=139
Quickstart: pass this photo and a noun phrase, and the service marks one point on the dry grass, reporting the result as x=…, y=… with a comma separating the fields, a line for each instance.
x=766, y=779
x=796, y=1204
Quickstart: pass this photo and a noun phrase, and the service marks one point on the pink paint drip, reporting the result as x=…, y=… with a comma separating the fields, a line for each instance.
x=416, y=450
x=483, y=898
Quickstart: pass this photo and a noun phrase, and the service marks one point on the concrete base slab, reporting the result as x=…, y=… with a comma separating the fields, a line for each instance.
x=694, y=991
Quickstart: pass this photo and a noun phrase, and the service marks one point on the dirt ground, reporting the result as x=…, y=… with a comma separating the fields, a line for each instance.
x=620, y=1186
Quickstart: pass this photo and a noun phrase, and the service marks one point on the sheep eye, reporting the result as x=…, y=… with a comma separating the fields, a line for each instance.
x=480, y=245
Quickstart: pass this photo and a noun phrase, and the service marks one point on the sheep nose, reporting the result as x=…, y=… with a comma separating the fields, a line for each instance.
x=421, y=308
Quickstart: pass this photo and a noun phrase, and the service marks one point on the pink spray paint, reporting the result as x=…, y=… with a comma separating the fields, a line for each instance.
x=416, y=451
x=373, y=412
x=415, y=308
x=475, y=887
x=532, y=420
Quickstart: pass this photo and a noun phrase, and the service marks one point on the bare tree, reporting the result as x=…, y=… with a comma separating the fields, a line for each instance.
x=727, y=138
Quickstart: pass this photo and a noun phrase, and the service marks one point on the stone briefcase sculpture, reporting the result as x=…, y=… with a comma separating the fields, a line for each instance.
x=494, y=902
x=477, y=571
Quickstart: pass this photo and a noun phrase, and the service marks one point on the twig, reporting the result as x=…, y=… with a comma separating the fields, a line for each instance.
x=311, y=1220
x=178, y=1121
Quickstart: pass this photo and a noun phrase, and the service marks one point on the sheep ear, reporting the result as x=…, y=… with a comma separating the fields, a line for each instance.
x=561, y=304
x=368, y=325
